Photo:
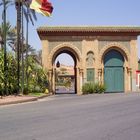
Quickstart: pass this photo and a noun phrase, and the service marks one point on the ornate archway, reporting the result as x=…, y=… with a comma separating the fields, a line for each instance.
x=114, y=71
x=117, y=46
x=75, y=54
x=65, y=46
x=126, y=65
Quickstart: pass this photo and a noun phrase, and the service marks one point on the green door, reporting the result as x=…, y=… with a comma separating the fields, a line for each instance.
x=113, y=72
x=90, y=74
x=114, y=79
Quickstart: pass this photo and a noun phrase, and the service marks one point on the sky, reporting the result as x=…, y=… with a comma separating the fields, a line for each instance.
x=84, y=12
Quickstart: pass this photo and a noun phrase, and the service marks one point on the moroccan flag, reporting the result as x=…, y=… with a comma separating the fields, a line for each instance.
x=42, y=6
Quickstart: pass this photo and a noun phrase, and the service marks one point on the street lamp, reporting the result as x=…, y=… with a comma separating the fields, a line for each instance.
x=56, y=73
x=58, y=64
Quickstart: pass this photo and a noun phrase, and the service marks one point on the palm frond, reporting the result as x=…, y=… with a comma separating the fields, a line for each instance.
x=34, y=14
x=30, y=17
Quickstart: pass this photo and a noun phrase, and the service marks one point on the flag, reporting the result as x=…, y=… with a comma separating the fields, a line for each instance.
x=42, y=6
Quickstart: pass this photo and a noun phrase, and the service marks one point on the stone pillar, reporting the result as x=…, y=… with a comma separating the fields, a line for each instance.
x=53, y=80
x=78, y=81
x=81, y=79
x=129, y=71
x=50, y=80
x=100, y=76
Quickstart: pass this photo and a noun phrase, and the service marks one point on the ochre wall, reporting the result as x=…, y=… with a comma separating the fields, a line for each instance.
x=99, y=45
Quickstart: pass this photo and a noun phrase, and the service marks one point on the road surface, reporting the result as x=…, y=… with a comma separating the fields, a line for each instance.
x=72, y=117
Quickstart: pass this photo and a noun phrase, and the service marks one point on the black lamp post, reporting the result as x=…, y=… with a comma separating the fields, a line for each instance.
x=56, y=74
x=58, y=64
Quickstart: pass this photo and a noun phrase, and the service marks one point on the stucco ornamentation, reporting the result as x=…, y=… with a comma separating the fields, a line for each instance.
x=65, y=46
x=90, y=59
x=117, y=46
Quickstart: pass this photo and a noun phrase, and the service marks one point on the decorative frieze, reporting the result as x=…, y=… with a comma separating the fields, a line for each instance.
x=126, y=44
x=53, y=44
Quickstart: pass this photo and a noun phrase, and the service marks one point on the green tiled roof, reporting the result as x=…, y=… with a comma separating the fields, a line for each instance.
x=89, y=29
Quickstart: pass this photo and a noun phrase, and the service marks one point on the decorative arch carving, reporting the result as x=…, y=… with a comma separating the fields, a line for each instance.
x=117, y=46
x=90, y=59
x=67, y=46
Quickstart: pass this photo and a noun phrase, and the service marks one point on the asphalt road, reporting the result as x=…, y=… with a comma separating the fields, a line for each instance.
x=72, y=117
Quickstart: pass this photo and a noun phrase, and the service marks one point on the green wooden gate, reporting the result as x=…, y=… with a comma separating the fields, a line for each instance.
x=113, y=72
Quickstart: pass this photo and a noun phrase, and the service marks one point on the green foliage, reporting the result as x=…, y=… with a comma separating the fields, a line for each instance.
x=67, y=82
x=37, y=76
x=33, y=71
x=36, y=94
x=25, y=91
x=89, y=88
x=1, y=74
x=99, y=88
x=11, y=74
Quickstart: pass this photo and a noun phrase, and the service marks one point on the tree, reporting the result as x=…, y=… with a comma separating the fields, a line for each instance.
x=1, y=73
x=10, y=35
x=11, y=74
x=28, y=13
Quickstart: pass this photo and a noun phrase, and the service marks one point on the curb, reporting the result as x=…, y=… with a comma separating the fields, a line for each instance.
x=43, y=96
x=24, y=100
x=20, y=101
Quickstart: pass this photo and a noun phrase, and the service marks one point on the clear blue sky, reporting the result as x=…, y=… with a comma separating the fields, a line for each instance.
x=85, y=12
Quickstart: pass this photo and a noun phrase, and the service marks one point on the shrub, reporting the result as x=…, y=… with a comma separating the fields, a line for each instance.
x=99, y=88
x=102, y=88
x=31, y=88
x=89, y=88
x=25, y=91
x=37, y=89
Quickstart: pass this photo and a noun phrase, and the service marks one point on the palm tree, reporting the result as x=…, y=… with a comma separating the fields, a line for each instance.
x=11, y=35
x=4, y=44
x=29, y=13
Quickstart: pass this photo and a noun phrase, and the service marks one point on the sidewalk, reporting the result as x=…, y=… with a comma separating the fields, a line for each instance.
x=18, y=99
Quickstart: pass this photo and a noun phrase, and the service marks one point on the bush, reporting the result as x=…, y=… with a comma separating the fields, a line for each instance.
x=102, y=88
x=25, y=91
x=37, y=89
x=31, y=88
x=99, y=88
x=89, y=88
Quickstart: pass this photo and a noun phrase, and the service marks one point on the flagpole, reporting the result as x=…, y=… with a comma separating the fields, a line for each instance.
x=22, y=50
x=5, y=51
x=18, y=7
x=27, y=36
